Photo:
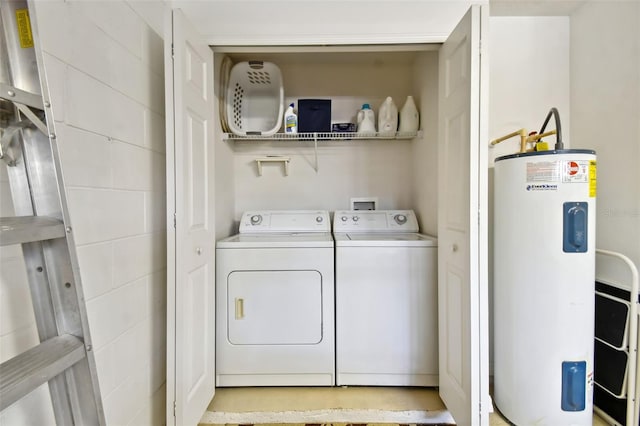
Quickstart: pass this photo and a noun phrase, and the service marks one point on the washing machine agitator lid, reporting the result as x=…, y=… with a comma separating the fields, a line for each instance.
x=384, y=239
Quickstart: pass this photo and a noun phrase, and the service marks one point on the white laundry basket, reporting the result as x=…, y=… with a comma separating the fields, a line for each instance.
x=255, y=98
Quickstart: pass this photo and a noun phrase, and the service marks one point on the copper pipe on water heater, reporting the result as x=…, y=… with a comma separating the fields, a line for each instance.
x=536, y=137
x=522, y=133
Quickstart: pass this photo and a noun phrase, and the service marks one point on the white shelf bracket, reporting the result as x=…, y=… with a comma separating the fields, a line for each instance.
x=315, y=150
x=273, y=159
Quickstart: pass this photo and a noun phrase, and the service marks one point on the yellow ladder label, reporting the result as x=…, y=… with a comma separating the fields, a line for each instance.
x=24, y=28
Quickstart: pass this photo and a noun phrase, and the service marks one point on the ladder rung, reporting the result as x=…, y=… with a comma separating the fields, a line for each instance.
x=26, y=229
x=25, y=372
x=14, y=94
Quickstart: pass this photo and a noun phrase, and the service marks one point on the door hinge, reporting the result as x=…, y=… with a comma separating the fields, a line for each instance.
x=174, y=221
x=175, y=408
x=172, y=51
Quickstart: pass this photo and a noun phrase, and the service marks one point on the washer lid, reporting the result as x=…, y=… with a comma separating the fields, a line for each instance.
x=278, y=240
x=384, y=239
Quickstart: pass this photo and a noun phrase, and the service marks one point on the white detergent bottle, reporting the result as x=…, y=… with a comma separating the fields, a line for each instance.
x=366, y=120
x=409, y=117
x=290, y=120
x=388, y=118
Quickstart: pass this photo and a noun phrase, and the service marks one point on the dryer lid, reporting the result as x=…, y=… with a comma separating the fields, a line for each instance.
x=275, y=240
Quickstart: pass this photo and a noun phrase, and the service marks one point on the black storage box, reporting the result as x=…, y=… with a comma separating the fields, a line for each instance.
x=314, y=115
x=343, y=128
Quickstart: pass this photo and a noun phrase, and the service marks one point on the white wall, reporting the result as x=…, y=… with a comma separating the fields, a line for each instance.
x=400, y=173
x=224, y=169
x=104, y=64
x=529, y=74
x=368, y=168
x=425, y=151
x=605, y=108
x=305, y=22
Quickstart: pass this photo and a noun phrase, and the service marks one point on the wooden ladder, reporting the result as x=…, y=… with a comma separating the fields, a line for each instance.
x=64, y=358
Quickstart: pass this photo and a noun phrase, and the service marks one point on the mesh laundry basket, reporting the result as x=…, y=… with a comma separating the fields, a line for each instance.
x=255, y=98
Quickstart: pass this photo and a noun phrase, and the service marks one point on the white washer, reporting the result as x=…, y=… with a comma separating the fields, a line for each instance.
x=275, y=301
x=386, y=300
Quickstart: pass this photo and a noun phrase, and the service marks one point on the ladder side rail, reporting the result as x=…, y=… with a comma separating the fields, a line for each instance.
x=41, y=298
x=52, y=266
x=46, y=324
x=87, y=401
x=34, y=258
x=41, y=171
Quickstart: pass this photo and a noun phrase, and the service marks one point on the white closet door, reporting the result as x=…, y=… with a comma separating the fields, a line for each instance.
x=462, y=282
x=191, y=244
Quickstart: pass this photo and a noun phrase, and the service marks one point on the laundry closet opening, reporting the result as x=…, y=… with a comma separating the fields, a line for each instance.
x=325, y=174
x=225, y=182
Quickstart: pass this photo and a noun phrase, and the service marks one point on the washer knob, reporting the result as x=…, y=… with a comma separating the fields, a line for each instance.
x=400, y=219
x=344, y=218
x=319, y=219
x=355, y=218
x=256, y=219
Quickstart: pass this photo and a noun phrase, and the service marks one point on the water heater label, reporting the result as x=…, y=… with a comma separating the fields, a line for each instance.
x=575, y=171
x=544, y=171
x=592, y=178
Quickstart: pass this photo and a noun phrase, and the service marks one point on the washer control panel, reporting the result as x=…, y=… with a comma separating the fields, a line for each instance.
x=375, y=221
x=285, y=221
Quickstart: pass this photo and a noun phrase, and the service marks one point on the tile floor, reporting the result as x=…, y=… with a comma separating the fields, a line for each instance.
x=496, y=419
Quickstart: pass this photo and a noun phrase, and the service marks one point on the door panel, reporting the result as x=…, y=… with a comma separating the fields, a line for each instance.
x=455, y=341
x=274, y=307
x=197, y=171
x=457, y=155
x=462, y=169
x=191, y=238
x=195, y=288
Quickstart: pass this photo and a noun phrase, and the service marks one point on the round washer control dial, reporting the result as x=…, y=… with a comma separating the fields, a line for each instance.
x=344, y=218
x=256, y=219
x=319, y=219
x=400, y=219
x=355, y=218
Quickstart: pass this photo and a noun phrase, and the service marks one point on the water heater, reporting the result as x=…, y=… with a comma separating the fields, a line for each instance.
x=544, y=278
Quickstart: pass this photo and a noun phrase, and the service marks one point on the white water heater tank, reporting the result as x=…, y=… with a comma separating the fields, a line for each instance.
x=544, y=278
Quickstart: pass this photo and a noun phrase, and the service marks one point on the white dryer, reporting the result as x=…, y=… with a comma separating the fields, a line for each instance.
x=386, y=300
x=275, y=301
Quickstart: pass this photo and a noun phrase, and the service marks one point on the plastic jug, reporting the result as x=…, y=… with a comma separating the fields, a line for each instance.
x=366, y=120
x=409, y=117
x=388, y=118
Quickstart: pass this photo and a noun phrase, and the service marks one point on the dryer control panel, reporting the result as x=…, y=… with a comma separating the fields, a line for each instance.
x=285, y=221
x=375, y=221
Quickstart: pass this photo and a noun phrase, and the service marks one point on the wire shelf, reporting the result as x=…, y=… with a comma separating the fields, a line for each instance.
x=330, y=136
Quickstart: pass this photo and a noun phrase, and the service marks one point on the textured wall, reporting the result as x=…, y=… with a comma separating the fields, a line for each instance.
x=104, y=64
